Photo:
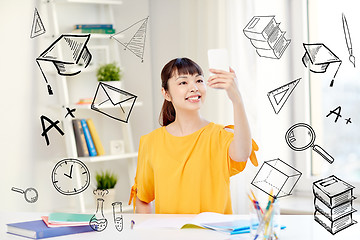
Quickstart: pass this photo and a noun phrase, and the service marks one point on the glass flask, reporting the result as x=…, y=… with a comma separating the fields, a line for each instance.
x=118, y=218
x=98, y=222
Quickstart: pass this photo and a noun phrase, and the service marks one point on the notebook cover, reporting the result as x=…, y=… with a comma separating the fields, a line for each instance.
x=37, y=229
x=69, y=217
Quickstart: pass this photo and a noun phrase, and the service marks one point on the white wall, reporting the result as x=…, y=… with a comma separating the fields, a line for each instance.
x=17, y=103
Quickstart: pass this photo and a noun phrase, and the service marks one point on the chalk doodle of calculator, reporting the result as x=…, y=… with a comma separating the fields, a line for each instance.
x=279, y=96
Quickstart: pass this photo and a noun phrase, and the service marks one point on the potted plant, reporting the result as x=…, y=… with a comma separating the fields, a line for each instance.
x=110, y=74
x=106, y=181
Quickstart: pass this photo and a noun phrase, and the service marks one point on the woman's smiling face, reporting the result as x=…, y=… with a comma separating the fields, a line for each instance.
x=186, y=91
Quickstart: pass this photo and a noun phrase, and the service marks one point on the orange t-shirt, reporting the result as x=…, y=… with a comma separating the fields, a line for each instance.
x=189, y=174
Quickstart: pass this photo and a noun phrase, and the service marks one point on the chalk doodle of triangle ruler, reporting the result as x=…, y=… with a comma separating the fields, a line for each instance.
x=134, y=39
x=279, y=96
x=37, y=25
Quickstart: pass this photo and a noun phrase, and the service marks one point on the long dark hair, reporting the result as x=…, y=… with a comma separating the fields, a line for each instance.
x=179, y=66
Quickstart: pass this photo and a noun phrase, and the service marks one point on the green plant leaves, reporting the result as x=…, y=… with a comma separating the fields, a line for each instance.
x=105, y=180
x=109, y=72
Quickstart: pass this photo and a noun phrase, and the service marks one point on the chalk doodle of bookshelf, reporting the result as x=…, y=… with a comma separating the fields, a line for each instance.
x=31, y=195
x=107, y=98
x=266, y=36
x=75, y=55
x=318, y=57
x=37, y=27
x=47, y=129
x=276, y=178
x=280, y=95
x=134, y=38
x=333, y=203
x=348, y=39
x=98, y=222
x=301, y=136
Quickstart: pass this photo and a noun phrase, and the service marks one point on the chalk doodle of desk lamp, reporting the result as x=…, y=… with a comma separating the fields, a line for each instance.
x=301, y=136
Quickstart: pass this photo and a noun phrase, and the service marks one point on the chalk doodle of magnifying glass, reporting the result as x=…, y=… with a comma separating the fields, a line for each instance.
x=301, y=136
x=30, y=194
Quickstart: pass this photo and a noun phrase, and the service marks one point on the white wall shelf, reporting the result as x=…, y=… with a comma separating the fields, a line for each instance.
x=109, y=157
x=70, y=86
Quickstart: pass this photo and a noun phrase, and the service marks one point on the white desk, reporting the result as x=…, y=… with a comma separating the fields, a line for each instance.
x=299, y=227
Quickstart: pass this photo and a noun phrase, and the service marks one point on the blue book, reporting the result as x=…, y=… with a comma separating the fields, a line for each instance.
x=37, y=229
x=93, y=26
x=88, y=138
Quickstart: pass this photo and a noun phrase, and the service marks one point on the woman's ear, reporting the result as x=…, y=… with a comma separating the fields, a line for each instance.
x=166, y=94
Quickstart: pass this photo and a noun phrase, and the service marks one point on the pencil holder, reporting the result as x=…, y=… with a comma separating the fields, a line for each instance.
x=264, y=221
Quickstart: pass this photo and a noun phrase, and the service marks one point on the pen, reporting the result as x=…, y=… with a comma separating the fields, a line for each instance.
x=132, y=224
x=264, y=220
x=256, y=201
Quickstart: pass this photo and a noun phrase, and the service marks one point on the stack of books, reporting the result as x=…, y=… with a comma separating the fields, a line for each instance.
x=94, y=28
x=266, y=36
x=333, y=199
x=87, y=139
x=56, y=224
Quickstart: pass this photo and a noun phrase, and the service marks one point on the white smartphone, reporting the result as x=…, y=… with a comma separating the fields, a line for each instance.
x=218, y=59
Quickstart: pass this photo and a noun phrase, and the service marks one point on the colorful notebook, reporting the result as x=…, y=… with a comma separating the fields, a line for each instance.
x=69, y=217
x=37, y=229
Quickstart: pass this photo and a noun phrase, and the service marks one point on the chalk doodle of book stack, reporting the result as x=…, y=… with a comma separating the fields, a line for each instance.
x=333, y=199
x=133, y=38
x=266, y=36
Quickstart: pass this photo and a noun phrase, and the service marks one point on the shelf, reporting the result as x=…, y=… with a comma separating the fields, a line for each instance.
x=97, y=35
x=88, y=106
x=108, y=157
x=104, y=50
x=113, y=2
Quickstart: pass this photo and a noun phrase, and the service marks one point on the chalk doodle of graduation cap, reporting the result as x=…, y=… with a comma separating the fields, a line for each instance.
x=318, y=57
x=113, y=102
x=68, y=53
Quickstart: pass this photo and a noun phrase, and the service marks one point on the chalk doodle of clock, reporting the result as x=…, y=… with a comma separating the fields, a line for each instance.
x=70, y=176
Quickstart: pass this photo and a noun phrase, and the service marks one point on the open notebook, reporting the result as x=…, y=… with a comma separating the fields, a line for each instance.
x=231, y=224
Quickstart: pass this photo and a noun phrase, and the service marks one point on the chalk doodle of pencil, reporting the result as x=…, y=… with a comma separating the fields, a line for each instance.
x=46, y=130
x=333, y=202
x=318, y=57
x=279, y=96
x=266, y=36
x=30, y=194
x=37, y=25
x=133, y=38
x=68, y=53
x=301, y=136
x=348, y=40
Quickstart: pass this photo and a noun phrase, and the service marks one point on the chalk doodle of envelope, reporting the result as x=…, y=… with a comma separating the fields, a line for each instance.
x=113, y=102
x=68, y=53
